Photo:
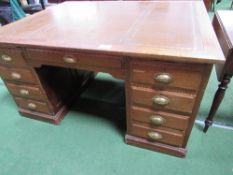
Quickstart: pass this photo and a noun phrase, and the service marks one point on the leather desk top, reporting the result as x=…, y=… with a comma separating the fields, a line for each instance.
x=174, y=30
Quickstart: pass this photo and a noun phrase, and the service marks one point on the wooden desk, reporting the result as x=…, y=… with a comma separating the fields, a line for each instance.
x=164, y=50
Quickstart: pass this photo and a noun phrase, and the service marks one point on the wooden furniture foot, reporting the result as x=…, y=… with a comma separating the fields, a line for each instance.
x=217, y=101
x=155, y=146
x=54, y=119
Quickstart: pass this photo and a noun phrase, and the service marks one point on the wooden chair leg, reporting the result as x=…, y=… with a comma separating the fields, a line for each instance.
x=213, y=6
x=217, y=101
x=42, y=4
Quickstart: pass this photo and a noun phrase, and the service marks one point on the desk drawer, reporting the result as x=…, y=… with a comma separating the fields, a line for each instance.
x=171, y=137
x=159, y=74
x=30, y=92
x=164, y=100
x=33, y=105
x=12, y=57
x=17, y=75
x=73, y=59
x=159, y=119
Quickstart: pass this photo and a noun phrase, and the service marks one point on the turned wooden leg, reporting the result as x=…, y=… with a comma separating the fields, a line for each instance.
x=42, y=4
x=217, y=101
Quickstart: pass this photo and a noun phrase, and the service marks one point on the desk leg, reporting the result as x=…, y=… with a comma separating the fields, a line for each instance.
x=219, y=95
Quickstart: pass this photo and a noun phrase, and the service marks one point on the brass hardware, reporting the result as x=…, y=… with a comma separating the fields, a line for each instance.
x=15, y=75
x=160, y=100
x=69, y=59
x=154, y=136
x=163, y=77
x=24, y=92
x=31, y=106
x=157, y=120
x=6, y=58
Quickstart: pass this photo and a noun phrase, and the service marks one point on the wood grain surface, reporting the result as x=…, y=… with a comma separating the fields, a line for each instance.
x=174, y=30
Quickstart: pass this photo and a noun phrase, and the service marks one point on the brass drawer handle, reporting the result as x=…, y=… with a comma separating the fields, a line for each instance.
x=160, y=100
x=15, y=76
x=154, y=136
x=163, y=78
x=6, y=58
x=31, y=106
x=157, y=120
x=24, y=92
x=69, y=59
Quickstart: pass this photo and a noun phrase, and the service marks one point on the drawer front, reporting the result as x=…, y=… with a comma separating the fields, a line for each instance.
x=163, y=99
x=75, y=59
x=18, y=75
x=30, y=92
x=32, y=105
x=159, y=119
x=167, y=75
x=158, y=135
x=12, y=57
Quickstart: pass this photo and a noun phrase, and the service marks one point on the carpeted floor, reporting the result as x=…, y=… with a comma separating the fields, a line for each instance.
x=90, y=140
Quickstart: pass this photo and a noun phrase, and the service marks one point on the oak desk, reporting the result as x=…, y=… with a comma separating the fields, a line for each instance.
x=164, y=50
